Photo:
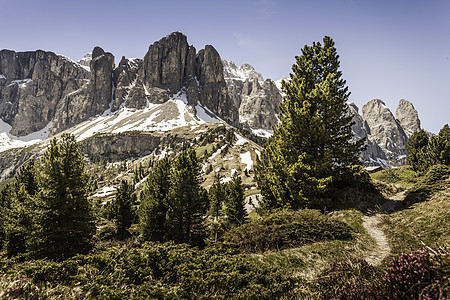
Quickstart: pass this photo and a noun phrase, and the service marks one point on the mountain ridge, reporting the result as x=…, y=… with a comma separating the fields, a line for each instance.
x=171, y=82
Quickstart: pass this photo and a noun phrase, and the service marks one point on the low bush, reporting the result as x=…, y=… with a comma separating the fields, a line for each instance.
x=285, y=229
x=154, y=270
x=421, y=274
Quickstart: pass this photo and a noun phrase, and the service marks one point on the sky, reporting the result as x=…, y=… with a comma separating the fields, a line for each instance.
x=390, y=50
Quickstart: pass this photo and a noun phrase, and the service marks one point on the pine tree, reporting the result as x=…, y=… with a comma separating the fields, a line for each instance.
x=18, y=210
x=216, y=196
x=416, y=151
x=423, y=152
x=121, y=207
x=312, y=145
x=174, y=203
x=154, y=206
x=188, y=201
x=439, y=147
x=235, y=202
x=65, y=218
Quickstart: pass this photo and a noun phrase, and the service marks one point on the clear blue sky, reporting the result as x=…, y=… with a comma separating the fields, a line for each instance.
x=389, y=49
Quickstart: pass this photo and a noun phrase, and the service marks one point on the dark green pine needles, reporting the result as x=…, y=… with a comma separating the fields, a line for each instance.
x=313, y=144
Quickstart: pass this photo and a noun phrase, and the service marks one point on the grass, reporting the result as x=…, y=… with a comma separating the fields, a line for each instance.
x=427, y=222
x=424, y=216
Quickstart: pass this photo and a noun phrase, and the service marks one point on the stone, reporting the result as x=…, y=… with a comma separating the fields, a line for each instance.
x=408, y=117
x=34, y=83
x=385, y=130
x=92, y=99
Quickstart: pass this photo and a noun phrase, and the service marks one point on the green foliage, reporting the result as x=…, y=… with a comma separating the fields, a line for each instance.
x=18, y=209
x=64, y=218
x=162, y=271
x=285, y=229
x=234, y=204
x=174, y=203
x=121, y=207
x=422, y=152
x=433, y=180
x=416, y=149
x=154, y=206
x=312, y=145
x=226, y=206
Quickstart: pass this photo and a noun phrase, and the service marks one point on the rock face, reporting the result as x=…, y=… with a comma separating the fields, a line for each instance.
x=170, y=66
x=361, y=130
x=258, y=100
x=41, y=88
x=385, y=137
x=93, y=98
x=32, y=84
x=408, y=117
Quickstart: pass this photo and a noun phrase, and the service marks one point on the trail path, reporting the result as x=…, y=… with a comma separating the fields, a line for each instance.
x=372, y=225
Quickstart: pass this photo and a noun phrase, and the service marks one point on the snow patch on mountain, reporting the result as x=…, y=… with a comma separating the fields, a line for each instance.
x=154, y=118
x=9, y=141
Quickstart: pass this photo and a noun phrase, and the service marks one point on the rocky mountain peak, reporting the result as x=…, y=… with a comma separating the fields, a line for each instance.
x=385, y=130
x=246, y=71
x=33, y=84
x=408, y=117
x=86, y=60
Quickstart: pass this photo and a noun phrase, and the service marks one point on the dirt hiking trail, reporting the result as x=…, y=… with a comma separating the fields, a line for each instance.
x=372, y=225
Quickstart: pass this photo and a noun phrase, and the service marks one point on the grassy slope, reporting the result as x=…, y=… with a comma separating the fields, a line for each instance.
x=422, y=223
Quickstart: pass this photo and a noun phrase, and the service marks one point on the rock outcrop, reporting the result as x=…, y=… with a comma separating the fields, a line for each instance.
x=92, y=99
x=169, y=66
x=408, y=117
x=386, y=137
x=258, y=100
x=31, y=86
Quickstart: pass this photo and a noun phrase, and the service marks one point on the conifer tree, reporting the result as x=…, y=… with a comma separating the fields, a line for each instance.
x=235, y=202
x=188, y=201
x=439, y=147
x=416, y=151
x=121, y=207
x=216, y=196
x=65, y=220
x=312, y=146
x=423, y=152
x=174, y=203
x=154, y=206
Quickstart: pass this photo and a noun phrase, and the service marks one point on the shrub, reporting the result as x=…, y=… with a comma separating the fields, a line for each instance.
x=352, y=279
x=421, y=274
x=285, y=229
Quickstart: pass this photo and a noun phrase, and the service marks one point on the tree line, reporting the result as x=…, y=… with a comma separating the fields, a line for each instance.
x=46, y=213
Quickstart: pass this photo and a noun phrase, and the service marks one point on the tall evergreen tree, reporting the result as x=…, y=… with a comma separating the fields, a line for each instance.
x=65, y=220
x=235, y=202
x=187, y=200
x=121, y=207
x=154, y=206
x=416, y=151
x=312, y=145
x=173, y=202
x=423, y=152
x=439, y=147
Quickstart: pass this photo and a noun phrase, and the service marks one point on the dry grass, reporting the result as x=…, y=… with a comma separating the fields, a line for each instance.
x=427, y=222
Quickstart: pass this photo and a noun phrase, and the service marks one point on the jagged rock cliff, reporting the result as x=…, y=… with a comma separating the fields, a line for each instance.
x=408, y=117
x=39, y=89
x=92, y=99
x=386, y=135
x=258, y=100
x=31, y=86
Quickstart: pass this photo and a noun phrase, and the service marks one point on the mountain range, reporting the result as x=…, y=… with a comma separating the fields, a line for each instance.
x=43, y=94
